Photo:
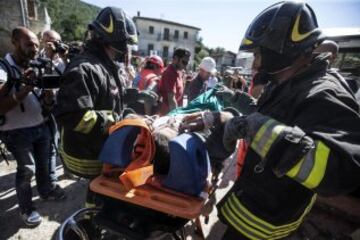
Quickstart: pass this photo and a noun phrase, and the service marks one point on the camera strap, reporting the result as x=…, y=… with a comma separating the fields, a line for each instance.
x=15, y=81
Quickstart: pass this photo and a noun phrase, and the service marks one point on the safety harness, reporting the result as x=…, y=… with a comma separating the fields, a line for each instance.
x=140, y=166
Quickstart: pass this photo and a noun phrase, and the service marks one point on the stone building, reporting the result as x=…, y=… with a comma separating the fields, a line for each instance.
x=225, y=59
x=161, y=37
x=28, y=13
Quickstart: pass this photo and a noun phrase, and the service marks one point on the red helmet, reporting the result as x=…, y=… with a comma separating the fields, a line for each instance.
x=156, y=60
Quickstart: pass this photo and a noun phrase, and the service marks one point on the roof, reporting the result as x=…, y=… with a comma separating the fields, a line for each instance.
x=167, y=22
x=341, y=32
x=348, y=39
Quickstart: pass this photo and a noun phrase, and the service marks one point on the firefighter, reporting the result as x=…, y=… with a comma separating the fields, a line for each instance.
x=304, y=135
x=90, y=97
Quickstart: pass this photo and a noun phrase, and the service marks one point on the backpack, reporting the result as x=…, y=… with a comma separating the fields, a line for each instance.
x=9, y=83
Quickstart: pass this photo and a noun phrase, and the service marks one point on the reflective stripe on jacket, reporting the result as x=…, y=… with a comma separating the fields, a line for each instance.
x=279, y=177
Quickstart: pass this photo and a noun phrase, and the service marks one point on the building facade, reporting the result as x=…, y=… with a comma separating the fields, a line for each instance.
x=223, y=60
x=28, y=13
x=162, y=37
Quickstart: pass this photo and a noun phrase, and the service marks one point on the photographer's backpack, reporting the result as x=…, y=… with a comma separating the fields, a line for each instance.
x=9, y=83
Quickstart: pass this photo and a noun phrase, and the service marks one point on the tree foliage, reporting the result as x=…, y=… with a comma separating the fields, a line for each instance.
x=70, y=17
x=202, y=51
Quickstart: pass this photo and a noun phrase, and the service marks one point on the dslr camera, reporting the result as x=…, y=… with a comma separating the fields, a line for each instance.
x=43, y=74
x=60, y=47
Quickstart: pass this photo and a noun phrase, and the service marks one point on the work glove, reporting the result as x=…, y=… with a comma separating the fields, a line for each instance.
x=149, y=97
x=239, y=100
x=242, y=127
x=131, y=95
x=109, y=119
x=225, y=93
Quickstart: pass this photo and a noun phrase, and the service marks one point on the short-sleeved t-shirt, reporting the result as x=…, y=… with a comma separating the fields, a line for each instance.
x=16, y=118
x=171, y=81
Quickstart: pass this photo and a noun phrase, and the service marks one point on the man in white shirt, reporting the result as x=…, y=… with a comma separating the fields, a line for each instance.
x=23, y=130
x=49, y=41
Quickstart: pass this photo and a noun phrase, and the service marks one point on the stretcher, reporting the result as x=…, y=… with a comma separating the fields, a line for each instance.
x=136, y=203
x=145, y=212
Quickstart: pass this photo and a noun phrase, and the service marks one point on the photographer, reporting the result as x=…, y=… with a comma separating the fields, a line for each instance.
x=54, y=49
x=23, y=130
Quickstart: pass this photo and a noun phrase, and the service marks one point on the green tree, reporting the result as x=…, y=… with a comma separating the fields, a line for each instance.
x=201, y=51
x=217, y=51
x=70, y=17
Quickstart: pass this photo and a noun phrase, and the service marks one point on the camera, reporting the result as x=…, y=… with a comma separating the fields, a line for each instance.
x=60, y=47
x=44, y=75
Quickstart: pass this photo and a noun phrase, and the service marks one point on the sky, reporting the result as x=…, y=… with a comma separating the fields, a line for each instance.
x=223, y=22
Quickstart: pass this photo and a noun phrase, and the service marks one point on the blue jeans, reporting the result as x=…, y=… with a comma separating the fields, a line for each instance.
x=53, y=152
x=30, y=148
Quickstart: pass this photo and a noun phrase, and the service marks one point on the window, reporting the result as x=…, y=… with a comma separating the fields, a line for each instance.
x=186, y=35
x=151, y=29
x=31, y=9
x=176, y=34
x=165, y=52
x=166, y=34
x=150, y=48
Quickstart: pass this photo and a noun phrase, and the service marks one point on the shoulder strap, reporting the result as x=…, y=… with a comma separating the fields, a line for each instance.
x=140, y=168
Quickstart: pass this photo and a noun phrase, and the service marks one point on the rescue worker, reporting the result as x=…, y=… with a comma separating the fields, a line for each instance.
x=149, y=81
x=151, y=73
x=304, y=136
x=90, y=97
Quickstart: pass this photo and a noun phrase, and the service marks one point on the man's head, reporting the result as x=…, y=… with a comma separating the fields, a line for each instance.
x=330, y=47
x=50, y=42
x=207, y=67
x=115, y=29
x=154, y=63
x=50, y=36
x=181, y=58
x=281, y=34
x=26, y=44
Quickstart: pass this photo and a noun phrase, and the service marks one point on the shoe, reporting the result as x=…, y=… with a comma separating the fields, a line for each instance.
x=31, y=218
x=56, y=194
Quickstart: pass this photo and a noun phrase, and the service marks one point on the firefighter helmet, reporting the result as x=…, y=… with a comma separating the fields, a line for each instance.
x=115, y=28
x=287, y=28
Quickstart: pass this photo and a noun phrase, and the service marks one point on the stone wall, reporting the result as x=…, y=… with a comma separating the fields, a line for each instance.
x=11, y=17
